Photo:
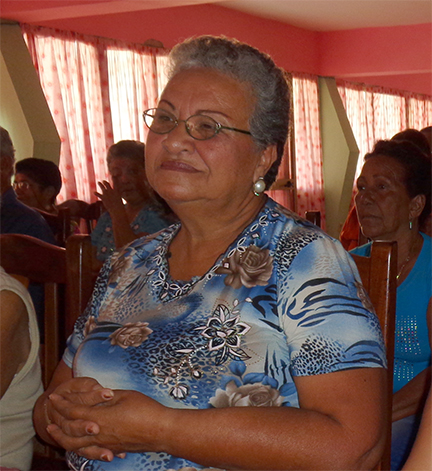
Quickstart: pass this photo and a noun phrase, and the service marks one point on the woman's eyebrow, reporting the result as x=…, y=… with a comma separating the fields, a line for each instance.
x=168, y=103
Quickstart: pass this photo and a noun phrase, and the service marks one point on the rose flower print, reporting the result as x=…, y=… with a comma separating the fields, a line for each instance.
x=247, y=395
x=247, y=268
x=131, y=335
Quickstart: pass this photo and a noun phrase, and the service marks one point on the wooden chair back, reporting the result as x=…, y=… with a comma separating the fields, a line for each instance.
x=378, y=274
x=314, y=217
x=68, y=278
x=60, y=224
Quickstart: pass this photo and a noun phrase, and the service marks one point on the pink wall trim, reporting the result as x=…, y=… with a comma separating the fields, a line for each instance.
x=396, y=57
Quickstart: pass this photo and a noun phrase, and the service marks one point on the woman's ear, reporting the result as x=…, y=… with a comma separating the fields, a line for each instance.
x=49, y=193
x=266, y=160
x=416, y=206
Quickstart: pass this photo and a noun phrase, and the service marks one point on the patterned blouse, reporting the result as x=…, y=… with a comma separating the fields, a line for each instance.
x=284, y=300
x=149, y=219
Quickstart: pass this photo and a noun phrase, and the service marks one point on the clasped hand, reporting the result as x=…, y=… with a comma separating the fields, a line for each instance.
x=100, y=423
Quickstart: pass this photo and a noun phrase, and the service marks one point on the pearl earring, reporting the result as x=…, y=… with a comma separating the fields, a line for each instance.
x=259, y=186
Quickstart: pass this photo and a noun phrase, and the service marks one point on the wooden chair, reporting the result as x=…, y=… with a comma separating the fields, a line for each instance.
x=68, y=278
x=314, y=217
x=378, y=274
x=60, y=224
x=86, y=214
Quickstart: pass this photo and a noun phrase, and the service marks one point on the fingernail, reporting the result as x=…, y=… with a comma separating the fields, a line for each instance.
x=90, y=430
x=106, y=457
x=108, y=394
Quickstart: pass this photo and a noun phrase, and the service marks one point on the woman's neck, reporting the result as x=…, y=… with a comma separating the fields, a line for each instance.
x=205, y=235
x=409, y=248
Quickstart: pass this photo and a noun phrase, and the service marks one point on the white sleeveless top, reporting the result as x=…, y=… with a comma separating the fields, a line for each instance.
x=16, y=405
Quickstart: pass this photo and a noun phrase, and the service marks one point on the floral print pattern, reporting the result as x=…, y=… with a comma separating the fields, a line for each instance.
x=131, y=335
x=250, y=267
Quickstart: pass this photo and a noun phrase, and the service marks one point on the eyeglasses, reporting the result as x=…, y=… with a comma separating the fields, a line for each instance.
x=199, y=126
x=21, y=185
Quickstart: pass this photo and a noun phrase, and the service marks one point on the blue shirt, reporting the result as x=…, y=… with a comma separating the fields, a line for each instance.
x=284, y=300
x=17, y=218
x=412, y=348
x=149, y=220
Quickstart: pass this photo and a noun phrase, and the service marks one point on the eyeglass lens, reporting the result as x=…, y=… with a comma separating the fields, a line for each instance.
x=200, y=127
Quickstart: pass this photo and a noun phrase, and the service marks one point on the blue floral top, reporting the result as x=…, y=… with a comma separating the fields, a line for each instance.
x=149, y=219
x=284, y=300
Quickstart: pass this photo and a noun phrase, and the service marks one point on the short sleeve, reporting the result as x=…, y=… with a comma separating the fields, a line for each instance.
x=326, y=314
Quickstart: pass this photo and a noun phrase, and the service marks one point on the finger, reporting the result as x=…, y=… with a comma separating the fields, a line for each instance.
x=96, y=453
x=79, y=385
x=79, y=428
x=91, y=398
x=67, y=410
x=66, y=441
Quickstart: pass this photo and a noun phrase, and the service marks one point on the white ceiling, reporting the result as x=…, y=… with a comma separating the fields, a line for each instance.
x=316, y=15
x=331, y=15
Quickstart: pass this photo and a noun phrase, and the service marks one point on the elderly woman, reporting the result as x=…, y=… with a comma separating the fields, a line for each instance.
x=236, y=338
x=393, y=200
x=139, y=214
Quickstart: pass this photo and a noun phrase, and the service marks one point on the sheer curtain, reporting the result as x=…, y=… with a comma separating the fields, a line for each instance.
x=136, y=78
x=379, y=113
x=308, y=147
x=78, y=75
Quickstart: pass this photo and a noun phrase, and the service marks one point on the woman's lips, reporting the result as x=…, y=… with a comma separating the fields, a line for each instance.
x=177, y=166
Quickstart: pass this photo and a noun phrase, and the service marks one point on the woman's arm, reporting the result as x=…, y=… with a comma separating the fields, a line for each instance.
x=123, y=234
x=14, y=339
x=410, y=399
x=339, y=425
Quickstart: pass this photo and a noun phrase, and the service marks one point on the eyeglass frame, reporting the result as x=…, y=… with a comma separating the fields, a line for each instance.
x=176, y=122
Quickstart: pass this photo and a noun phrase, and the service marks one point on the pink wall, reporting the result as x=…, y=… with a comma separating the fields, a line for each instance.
x=399, y=56
x=395, y=57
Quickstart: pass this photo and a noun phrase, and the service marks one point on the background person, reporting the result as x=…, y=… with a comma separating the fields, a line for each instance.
x=37, y=183
x=350, y=233
x=139, y=215
x=394, y=197
x=20, y=373
x=236, y=338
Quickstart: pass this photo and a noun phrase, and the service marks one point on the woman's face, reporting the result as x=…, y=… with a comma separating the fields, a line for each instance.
x=129, y=179
x=31, y=193
x=382, y=202
x=183, y=169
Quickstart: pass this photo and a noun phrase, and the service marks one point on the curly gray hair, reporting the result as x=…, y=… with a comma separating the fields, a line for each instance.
x=270, y=119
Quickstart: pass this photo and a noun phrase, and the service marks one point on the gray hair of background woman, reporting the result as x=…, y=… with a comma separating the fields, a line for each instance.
x=127, y=149
x=270, y=119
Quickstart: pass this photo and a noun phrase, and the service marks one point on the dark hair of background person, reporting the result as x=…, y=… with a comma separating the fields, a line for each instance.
x=127, y=149
x=416, y=165
x=43, y=172
x=270, y=118
x=6, y=146
x=414, y=136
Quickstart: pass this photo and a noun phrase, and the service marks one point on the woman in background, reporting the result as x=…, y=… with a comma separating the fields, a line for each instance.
x=37, y=183
x=393, y=200
x=132, y=210
x=20, y=381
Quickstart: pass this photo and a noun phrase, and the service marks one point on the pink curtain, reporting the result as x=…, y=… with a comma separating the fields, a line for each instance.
x=379, y=113
x=136, y=78
x=308, y=147
x=86, y=88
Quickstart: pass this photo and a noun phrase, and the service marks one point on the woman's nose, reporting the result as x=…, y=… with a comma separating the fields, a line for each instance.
x=178, y=140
